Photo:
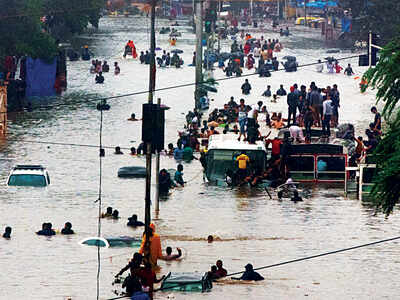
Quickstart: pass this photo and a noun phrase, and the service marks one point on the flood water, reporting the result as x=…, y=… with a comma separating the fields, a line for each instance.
x=248, y=225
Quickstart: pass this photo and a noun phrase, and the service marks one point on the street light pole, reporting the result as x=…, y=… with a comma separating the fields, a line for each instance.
x=199, y=50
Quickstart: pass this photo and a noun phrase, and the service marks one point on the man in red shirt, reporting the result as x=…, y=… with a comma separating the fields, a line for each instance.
x=276, y=148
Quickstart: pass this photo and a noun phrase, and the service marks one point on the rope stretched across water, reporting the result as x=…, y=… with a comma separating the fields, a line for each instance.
x=287, y=262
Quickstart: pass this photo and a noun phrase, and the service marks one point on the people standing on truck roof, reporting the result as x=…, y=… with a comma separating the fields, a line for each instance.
x=242, y=118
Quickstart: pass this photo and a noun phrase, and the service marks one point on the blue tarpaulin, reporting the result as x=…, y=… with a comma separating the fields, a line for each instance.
x=331, y=4
x=317, y=4
x=40, y=78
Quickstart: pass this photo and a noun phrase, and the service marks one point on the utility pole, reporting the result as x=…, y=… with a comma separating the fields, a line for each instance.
x=286, y=10
x=370, y=50
x=305, y=13
x=218, y=27
x=152, y=83
x=199, y=50
x=278, y=11
x=157, y=208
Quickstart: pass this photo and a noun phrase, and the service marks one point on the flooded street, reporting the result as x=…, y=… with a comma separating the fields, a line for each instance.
x=248, y=226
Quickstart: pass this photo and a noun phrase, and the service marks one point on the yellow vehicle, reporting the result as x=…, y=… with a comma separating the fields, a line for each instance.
x=300, y=21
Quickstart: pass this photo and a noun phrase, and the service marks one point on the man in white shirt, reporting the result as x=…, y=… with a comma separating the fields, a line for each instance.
x=320, y=66
x=327, y=112
x=296, y=133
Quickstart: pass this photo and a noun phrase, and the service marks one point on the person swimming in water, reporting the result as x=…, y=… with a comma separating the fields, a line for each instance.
x=210, y=239
x=133, y=118
x=118, y=150
x=7, y=232
x=133, y=222
x=100, y=78
x=179, y=176
x=115, y=214
x=46, y=230
x=67, y=229
x=108, y=212
x=213, y=273
x=171, y=256
x=221, y=272
x=249, y=274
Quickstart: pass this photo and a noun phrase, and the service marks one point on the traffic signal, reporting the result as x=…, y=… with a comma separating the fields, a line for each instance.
x=207, y=25
x=213, y=15
x=210, y=14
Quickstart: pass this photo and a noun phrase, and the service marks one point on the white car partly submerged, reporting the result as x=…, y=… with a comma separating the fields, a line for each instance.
x=29, y=175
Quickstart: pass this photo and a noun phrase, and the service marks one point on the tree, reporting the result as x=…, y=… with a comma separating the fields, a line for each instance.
x=21, y=27
x=32, y=27
x=378, y=16
x=66, y=18
x=385, y=77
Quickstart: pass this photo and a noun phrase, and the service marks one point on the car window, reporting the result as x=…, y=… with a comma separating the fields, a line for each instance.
x=27, y=180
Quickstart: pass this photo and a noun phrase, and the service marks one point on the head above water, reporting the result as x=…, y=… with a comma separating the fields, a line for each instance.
x=219, y=263
x=68, y=225
x=168, y=250
x=8, y=229
x=115, y=213
x=133, y=150
x=210, y=239
x=249, y=267
x=109, y=210
x=133, y=116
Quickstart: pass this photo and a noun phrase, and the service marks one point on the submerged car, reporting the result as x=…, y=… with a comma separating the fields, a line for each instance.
x=28, y=175
x=121, y=241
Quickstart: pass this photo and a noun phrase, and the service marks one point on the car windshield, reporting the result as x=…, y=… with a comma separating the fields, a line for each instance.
x=220, y=161
x=27, y=180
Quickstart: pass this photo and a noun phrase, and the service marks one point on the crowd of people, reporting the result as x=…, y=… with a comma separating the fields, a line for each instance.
x=139, y=284
x=98, y=67
x=244, y=56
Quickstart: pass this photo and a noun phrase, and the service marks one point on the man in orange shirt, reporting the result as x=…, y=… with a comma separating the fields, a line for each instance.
x=155, y=247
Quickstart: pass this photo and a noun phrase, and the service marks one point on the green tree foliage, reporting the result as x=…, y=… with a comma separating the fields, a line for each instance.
x=386, y=191
x=385, y=77
x=23, y=30
x=73, y=16
x=378, y=16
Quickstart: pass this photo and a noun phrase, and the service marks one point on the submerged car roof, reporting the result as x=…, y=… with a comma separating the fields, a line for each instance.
x=230, y=142
x=28, y=169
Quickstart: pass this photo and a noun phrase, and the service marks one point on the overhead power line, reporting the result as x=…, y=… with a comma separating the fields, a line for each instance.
x=96, y=100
